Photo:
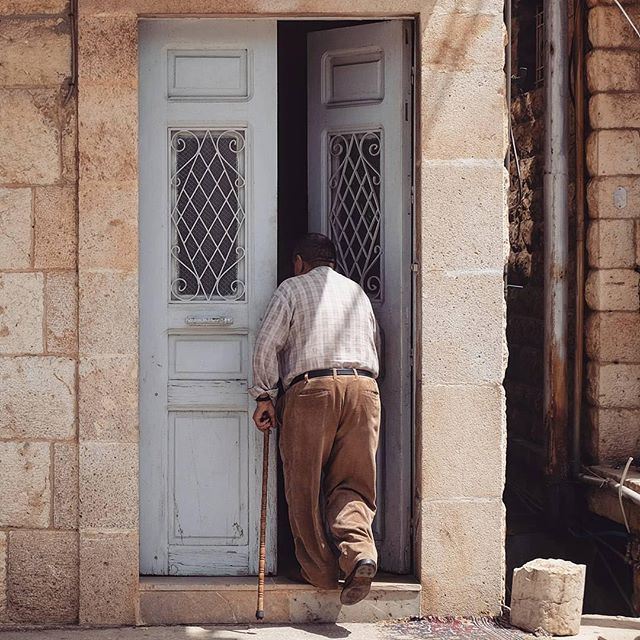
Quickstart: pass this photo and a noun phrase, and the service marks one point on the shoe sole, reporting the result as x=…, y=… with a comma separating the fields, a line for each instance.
x=359, y=585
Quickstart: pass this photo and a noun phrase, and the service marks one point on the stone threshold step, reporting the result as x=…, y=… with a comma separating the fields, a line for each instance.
x=227, y=600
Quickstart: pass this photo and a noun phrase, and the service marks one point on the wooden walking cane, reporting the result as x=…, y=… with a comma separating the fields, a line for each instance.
x=263, y=527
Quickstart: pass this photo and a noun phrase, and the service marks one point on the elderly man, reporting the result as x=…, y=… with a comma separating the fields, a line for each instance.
x=319, y=337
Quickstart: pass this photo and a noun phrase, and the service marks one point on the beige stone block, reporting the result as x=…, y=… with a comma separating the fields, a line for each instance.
x=458, y=41
x=38, y=397
x=614, y=434
x=613, y=152
x=108, y=485
x=108, y=313
x=29, y=136
x=108, y=48
x=3, y=576
x=109, y=400
x=65, y=485
x=26, y=7
x=55, y=234
x=474, y=199
x=612, y=290
x=547, y=595
x=455, y=103
x=615, y=110
x=108, y=577
x=463, y=338
x=462, y=557
x=611, y=70
x=24, y=484
x=610, y=244
x=61, y=308
x=609, y=29
x=42, y=576
x=461, y=423
x=108, y=133
x=69, y=137
x=613, y=337
x=21, y=312
x=615, y=197
x=15, y=228
x=109, y=225
x=613, y=385
x=35, y=52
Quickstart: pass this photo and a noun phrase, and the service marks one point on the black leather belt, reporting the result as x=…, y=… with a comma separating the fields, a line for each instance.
x=321, y=373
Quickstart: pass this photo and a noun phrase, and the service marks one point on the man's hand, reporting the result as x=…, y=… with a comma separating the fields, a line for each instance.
x=265, y=415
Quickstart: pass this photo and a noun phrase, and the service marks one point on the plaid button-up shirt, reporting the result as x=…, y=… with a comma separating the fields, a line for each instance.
x=319, y=320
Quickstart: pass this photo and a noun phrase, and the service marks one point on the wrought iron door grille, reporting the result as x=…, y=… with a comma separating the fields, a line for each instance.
x=208, y=218
x=354, y=206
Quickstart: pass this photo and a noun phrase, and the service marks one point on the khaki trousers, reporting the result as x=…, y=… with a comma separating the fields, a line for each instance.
x=328, y=442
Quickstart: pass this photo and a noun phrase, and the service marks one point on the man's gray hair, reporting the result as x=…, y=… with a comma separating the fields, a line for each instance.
x=315, y=247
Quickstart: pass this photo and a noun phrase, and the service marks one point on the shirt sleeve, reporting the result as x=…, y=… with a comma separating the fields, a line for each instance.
x=270, y=340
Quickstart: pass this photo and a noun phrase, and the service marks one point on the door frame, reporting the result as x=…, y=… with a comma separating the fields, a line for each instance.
x=467, y=287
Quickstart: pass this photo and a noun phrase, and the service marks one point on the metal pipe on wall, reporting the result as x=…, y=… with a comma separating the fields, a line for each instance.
x=556, y=236
x=579, y=105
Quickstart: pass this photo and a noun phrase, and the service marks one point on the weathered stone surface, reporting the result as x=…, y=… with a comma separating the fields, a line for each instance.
x=108, y=52
x=65, y=485
x=613, y=385
x=15, y=228
x=109, y=225
x=24, y=484
x=29, y=137
x=108, y=313
x=615, y=110
x=611, y=244
x=55, y=235
x=34, y=52
x=613, y=70
x=547, y=594
x=43, y=576
x=474, y=199
x=108, y=485
x=453, y=103
x=108, y=130
x=614, y=152
x=614, y=434
x=109, y=400
x=69, y=136
x=26, y=7
x=3, y=576
x=463, y=337
x=38, y=397
x=482, y=409
x=463, y=41
x=614, y=197
x=462, y=556
x=61, y=296
x=108, y=577
x=612, y=290
x=21, y=312
x=609, y=29
x=613, y=337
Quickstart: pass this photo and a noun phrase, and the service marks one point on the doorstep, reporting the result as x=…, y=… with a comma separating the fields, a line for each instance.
x=201, y=600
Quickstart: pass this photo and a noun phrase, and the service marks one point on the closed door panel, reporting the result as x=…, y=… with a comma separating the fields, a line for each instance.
x=208, y=151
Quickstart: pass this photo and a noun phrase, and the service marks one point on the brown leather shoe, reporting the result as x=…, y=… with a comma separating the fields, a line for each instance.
x=358, y=583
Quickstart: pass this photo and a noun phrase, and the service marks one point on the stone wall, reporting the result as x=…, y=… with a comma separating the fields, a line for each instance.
x=38, y=316
x=613, y=236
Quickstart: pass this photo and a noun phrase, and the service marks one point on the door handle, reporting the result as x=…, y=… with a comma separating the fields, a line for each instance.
x=208, y=321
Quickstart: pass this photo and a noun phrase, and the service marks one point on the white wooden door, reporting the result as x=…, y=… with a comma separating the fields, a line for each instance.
x=359, y=137
x=208, y=151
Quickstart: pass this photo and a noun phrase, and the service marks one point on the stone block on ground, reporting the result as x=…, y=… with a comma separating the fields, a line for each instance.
x=547, y=595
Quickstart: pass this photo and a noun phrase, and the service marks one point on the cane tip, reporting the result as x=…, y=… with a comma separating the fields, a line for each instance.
x=259, y=614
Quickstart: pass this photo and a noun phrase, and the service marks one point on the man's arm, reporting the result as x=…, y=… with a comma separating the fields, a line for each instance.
x=269, y=342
